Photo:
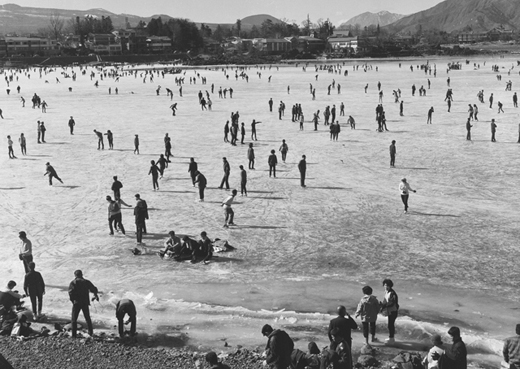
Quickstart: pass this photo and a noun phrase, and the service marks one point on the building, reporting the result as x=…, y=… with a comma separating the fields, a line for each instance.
x=341, y=43
x=471, y=37
x=159, y=44
x=272, y=45
x=28, y=46
x=103, y=43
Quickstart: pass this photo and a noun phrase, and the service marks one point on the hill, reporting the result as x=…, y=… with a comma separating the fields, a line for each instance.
x=22, y=20
x=257, y=20
x=458, y=15
x=366, y=19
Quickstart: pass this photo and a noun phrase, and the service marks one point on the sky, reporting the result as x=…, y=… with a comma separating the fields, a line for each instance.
x=228, y=11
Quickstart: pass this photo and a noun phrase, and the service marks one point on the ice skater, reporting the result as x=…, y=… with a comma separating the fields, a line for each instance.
x=225, y=178
x=243, y=181
x=72, y=123
x=110, y=138
x=229, y=214
x=284, y=149
x=193, y=170
x=302, y=167
x=430, y=113
x=10, y=148
x=251, y=156
x=272, y=161
x=393, y=152
x=23, y=144
x=51, y=172
x=253, y=129
x=404, y=189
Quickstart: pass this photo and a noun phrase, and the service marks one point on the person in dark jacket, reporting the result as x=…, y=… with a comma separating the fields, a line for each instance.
x=141, y=215
x=193, y=170
x=455, y=357
x=79, y=295
x=344, y=324
x=272, y=161
x=126, y=307
x=390, y=308
x=343, y=357
x=511, y=350
x=116, y=187
x=302, y=167
x=202, y=181
x=227, y=170
x=279, y=347
x=34, y=287
x=212, y=359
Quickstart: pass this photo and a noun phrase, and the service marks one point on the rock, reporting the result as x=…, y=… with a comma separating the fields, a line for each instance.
x=367, y=350
x=367, y=361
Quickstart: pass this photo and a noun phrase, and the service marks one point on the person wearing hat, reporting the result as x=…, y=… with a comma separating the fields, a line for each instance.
x=455, y=357
x=511, y=350
x=51, y=172
x=79, y=290
x=404, y=189
x=212, y=359
x=25, y=251
x=428, y=361
x=279, y=347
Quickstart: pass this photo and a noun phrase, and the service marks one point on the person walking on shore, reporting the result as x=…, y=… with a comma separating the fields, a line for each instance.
x=51, y=172
x=302, y=167
x=404, y=189
x=390, y=308
x=25, y=251
x=79, y=295
x=251, y=155
x=393, y=152
x=225, y=178
x=229, y=214
x=511, y=350
x=34, y=287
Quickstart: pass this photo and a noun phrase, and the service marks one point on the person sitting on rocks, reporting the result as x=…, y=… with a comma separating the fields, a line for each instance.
x=212, y=359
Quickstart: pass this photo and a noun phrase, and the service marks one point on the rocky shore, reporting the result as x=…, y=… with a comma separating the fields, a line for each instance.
x=60, y=352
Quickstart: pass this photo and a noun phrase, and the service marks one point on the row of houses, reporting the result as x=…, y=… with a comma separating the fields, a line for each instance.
x=496, y=34
x=115, y=43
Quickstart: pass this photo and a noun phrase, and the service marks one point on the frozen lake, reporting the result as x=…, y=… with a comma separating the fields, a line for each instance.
x=453, y=257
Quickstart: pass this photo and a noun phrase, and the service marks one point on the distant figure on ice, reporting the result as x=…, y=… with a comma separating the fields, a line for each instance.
x=51, y=172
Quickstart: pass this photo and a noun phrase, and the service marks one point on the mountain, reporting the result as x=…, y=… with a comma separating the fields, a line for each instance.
x=366, y=19
x=457, y=15
x=23, y=20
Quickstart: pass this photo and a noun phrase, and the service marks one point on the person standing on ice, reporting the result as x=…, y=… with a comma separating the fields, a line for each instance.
x=136, y=144
x=404, y=189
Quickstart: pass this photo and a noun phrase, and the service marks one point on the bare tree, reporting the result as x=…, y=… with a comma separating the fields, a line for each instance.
x=56, y=23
